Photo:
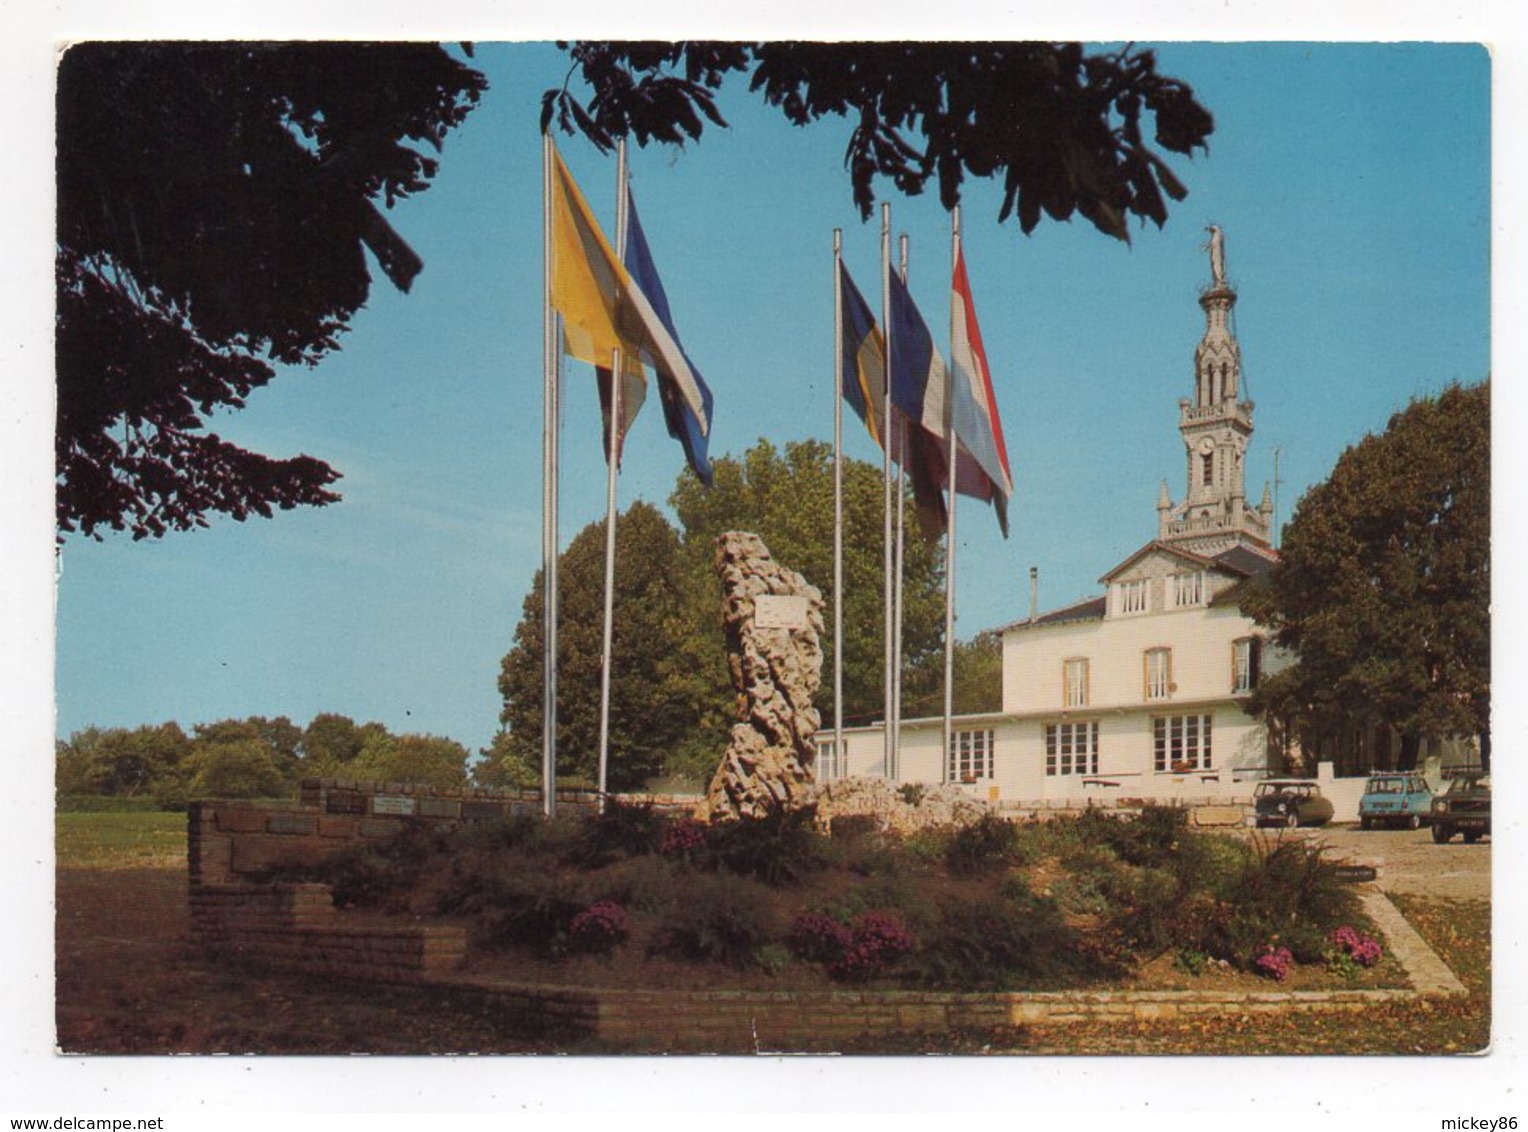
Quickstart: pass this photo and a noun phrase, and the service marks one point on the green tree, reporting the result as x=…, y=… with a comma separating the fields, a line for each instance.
x=1383, y=588
x=655, y=692
x=279, y=737
x=427, y=760
x=977, y=679
x=1062, y=126
x=214, y=201
x=233, y=767
x=332, y=741
x=786, y=498
x=122, y=761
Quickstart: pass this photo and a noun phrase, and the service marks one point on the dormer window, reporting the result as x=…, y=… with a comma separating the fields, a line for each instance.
x=1188, y=589
x=1132, y=596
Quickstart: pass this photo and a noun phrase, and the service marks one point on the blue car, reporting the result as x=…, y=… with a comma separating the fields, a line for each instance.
x=1395, y=798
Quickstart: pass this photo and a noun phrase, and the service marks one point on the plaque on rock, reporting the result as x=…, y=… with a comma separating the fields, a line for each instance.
x=782, y=611
x=392, y=804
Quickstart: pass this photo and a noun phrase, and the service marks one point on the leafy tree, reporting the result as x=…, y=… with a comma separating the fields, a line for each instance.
x=213, y=203
x=1383, y=588
x=280, y=738
x=977, y=679
x=331, y=741
x=787, y=500
x=428, y=760
x=1062, y=126
x=121, y=761
x=656, y=690
x=232, y=767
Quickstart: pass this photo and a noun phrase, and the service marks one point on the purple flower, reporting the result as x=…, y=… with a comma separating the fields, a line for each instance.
x=1275, y=963
x=1363, y=949
x=599, y=927
x=684, y=837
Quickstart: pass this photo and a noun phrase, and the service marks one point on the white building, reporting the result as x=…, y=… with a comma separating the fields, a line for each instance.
x=1137, y=693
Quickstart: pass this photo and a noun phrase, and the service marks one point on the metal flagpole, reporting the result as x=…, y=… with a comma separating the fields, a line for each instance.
x=550, y=359
x=838, y=500
x=612, y=471
x=897, y=568
x=949, y=553
x=886, y=555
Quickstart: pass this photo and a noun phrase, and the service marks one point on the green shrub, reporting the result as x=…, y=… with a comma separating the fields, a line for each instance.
x=721, y=920
x=852, y=829
x=985, y=845
x=1149, y=903
x=1081, y=894
x=372, y=873
x=650, y=884
x=780, y=849
x=912, y=793
x=518, y=901
x=1017, y=943
x=623, y=830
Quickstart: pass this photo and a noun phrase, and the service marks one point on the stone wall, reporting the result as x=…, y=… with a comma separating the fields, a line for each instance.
x=679, y=1021
x=235, y=848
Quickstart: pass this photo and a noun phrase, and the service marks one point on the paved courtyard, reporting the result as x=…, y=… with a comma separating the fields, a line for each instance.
x=1409, y=862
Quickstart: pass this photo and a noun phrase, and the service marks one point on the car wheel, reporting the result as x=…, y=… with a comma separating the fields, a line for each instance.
x=1365, y=823
x=1471, y=836
x=1441, y=834
x=1414, y=822
x=1292, y=820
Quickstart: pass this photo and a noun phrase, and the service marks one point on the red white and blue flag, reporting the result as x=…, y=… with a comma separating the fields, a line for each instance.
x=974, y=404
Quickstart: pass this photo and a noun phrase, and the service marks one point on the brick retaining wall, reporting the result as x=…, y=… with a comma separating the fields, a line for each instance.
x=791, y=1021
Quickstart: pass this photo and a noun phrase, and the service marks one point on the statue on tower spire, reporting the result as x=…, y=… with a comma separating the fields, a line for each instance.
x=1217, y=246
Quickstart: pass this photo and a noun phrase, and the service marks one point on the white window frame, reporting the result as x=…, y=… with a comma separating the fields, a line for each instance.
x=969, y=758
x=1246, y=663
x=831, y=763
x=1133, y=597
x=1071, y=748
x=1074, y=681
x=1188, y=589
x=1157, y=668
x=1182, y=743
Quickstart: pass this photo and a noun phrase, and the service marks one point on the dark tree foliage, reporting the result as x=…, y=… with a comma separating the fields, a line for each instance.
x=1064, y=128
x=1383, y=590
x=214, y=200
x=656, y=688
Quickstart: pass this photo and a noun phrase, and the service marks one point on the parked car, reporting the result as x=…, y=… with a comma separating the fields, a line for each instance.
x=1463, y=807
x=1290, y=802
x=1400, y=798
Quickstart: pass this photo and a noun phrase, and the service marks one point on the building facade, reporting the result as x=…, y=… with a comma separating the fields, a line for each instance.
x=1140, y=692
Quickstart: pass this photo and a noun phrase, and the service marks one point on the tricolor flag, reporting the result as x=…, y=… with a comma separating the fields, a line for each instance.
x=977, y=425
x=864, y=356
x=602, y=308
x=684, y=425
x=918, y=381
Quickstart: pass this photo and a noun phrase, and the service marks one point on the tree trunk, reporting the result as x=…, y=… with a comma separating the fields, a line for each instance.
x=1411, y=744
x=1485, y=749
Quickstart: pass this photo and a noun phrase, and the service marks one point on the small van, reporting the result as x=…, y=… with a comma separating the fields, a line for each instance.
x=1395, y=798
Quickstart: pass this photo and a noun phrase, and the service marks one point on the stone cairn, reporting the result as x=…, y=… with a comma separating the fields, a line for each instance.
x=773, y=620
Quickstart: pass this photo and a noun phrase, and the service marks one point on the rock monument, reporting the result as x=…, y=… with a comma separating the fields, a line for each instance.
x=773, y=621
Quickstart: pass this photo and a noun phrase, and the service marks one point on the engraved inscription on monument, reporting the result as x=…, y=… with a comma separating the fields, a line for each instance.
x=781, y=611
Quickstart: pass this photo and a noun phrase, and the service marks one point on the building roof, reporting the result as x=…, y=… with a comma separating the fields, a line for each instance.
x=1164, y=548
x=1247, y=561
x=1090, y=609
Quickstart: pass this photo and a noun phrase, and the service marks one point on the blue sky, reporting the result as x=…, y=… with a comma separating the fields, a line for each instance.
x=1353, y=183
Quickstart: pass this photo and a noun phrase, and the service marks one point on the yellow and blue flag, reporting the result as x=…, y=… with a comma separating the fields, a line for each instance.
x=602, y=307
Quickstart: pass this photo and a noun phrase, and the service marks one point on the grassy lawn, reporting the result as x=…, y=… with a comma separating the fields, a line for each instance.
x=120, y=840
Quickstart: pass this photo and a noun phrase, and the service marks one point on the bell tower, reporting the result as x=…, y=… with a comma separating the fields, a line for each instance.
x=1216, y=426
